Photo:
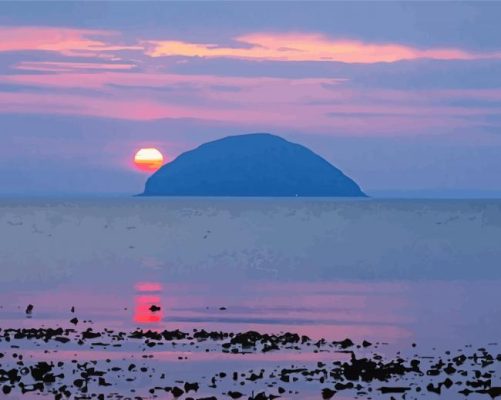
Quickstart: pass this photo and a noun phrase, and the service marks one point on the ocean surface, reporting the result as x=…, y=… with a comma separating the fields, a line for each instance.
x=410, y=275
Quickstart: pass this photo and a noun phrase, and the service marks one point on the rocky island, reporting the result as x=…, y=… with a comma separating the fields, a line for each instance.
x=258, y=164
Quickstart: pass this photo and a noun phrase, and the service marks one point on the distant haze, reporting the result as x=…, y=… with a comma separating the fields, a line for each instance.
x=405, y=98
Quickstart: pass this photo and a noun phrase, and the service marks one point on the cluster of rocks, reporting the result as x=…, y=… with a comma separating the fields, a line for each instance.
x=227, y=342
x=363, y=373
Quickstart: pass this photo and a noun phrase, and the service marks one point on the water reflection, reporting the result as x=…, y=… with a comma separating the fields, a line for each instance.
x=376, y=311
x=148, y=305
x=334, y=310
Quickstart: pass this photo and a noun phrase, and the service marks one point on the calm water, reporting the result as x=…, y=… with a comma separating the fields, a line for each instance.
x=432, y=313
x=321, y=268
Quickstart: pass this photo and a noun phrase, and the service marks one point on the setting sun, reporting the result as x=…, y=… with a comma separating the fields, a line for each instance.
x=149, y=159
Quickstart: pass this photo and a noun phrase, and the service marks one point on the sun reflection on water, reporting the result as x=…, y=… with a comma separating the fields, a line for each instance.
x=148, y=303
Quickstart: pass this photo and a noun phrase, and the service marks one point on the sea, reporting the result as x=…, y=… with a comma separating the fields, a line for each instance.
x=409, y=277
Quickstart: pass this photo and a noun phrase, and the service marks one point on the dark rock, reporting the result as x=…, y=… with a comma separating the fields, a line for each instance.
x=327, y=393
x=344, y=344
x=398, y=389
x=191, y=386
x=177, y=392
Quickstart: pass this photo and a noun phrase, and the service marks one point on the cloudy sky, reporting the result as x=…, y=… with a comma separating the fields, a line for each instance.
x=400, y=96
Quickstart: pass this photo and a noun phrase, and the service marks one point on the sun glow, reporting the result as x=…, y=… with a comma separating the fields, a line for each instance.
x=149, y=159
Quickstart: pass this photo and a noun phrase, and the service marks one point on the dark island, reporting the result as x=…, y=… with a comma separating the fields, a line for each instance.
x=258, y=164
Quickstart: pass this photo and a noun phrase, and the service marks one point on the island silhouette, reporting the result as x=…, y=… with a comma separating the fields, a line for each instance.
x=256, y=164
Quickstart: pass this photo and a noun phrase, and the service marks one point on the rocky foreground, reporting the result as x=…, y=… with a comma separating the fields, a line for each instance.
x=362, y=373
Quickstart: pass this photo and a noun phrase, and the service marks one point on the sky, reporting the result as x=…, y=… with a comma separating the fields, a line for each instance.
x=404, y=97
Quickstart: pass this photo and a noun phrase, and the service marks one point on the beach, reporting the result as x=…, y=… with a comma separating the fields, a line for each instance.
x=409, y=278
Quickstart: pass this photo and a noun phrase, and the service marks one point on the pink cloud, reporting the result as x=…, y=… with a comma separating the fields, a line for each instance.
x=310, y=104
x=131, y=108
x=101, y=79
x=348, y=119
x=62, y=66
x=307, y=47
x=254, y=46
x=66, y=41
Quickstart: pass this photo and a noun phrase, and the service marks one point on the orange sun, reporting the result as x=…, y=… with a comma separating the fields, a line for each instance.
x=149, y=159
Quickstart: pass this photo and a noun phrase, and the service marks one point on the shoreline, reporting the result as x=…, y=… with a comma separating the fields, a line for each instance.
x=357, y=369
